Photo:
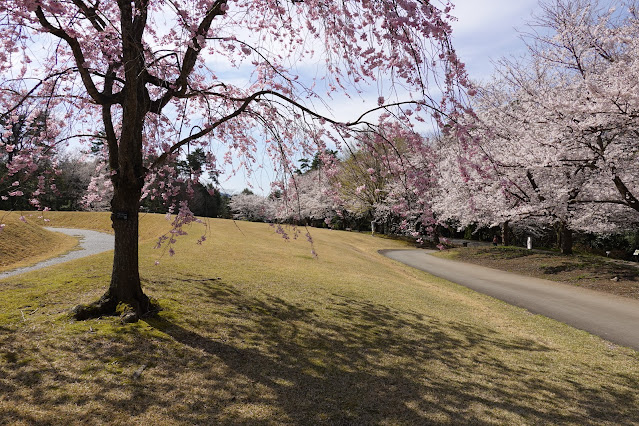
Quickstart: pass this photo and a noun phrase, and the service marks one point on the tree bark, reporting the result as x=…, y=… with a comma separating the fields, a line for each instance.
x=125, y=286
x=128, y=175
x=564, y=236
x=125, y=278
x=505, y=233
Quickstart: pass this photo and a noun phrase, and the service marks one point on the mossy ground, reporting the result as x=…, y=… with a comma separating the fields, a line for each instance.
x=254, y=330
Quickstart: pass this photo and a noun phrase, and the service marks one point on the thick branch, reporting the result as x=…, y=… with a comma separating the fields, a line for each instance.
x=630, y=200
x=190, y=57
x=91, y=13
x=242, y=108
x=246, y=102
x=587, y=201
x=107, y=120
x=78, y=55
x=360, y=118
x=534, y=185
x=206, y=130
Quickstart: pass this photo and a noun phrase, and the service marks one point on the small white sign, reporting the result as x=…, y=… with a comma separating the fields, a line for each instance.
x=636, y=253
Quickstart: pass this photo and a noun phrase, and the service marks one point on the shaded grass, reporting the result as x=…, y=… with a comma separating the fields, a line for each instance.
x=254, y=330
x=24, y=244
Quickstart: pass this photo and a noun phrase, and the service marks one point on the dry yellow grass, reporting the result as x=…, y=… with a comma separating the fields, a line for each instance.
x=25, y=244
x=256, y=331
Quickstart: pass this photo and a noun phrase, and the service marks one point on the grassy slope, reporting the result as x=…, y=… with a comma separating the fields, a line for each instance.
x=256, y=330
x=25, y=244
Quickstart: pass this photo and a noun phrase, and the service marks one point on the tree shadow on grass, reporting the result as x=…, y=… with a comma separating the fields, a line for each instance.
x=367, y=363
x=260, y=359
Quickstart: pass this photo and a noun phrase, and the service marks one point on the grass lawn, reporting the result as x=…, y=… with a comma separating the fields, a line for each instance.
x=254, y=330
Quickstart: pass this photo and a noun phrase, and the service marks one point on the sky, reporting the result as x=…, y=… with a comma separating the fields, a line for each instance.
x=485, y=31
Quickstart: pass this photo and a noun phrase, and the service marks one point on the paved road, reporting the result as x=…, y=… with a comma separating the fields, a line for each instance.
x=612, y=317
x=91, y=242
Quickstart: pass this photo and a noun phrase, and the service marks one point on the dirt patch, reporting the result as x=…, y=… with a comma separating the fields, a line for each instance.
x=593, y=272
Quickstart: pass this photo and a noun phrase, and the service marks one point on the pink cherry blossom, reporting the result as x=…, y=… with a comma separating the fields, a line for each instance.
x=149, y=81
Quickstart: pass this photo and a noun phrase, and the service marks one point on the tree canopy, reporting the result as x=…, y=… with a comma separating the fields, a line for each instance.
x=151, y=77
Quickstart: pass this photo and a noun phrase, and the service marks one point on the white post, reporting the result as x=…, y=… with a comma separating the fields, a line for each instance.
x=529, y=243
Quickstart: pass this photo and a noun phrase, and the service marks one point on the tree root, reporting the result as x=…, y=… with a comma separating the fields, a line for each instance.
x=110, y=306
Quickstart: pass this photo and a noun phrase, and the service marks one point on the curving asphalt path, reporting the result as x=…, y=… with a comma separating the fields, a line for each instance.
x=614, y=318
x=90, y=243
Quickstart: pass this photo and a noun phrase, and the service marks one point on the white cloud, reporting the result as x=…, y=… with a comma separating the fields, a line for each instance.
x=488, y=30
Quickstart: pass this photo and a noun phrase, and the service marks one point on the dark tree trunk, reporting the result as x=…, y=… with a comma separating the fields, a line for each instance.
x=125, y=279
x=564, y=238
x=125, y=286
x=128, y=179
x=505, y=233
x=436, y=234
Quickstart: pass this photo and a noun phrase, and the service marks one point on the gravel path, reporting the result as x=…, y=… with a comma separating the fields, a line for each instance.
x=91, y=242
x=614, y=318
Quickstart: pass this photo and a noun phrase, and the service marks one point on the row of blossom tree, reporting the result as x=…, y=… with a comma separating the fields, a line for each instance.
x=556, y=135
x=559, y=128
x=385, y=177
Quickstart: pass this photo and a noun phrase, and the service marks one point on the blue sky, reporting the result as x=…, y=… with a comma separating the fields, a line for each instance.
x=487, y=30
